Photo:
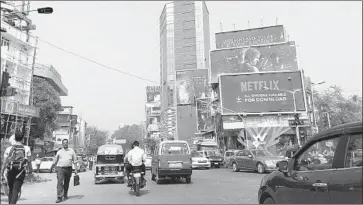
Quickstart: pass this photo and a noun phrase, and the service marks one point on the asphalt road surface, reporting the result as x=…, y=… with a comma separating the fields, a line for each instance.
x=214, y=186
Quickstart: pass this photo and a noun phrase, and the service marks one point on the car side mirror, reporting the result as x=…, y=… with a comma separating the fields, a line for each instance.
x=250, y=156
x=282, y=166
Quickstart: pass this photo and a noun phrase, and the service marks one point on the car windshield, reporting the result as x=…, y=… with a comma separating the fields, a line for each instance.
x=197, y=154
x=212, y=153
x=261, y=153
x=175, y=148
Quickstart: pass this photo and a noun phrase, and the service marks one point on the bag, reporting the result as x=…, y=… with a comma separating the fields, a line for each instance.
x=76, y=180
x=16, y=157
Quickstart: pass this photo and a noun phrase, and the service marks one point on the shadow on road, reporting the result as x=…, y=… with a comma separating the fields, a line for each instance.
x=142, y=192
x=76, y=197
x=173, y=181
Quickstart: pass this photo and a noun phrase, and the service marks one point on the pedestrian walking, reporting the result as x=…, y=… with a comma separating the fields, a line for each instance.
x=17, y=162
x=90, y=162
x=63, y=161
x=37, y=163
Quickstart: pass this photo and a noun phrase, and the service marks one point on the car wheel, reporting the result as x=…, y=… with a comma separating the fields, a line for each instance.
x=53, y=170
x=234, y=167
x=260, y=168
x=268, y=200
x=188, y=180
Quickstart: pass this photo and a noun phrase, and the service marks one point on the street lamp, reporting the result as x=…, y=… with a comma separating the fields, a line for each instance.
x=292, y=91
x=312, y=100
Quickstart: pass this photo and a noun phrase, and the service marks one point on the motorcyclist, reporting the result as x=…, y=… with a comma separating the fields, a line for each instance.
x=136, y=158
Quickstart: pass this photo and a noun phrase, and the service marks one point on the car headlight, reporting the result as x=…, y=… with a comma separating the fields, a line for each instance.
x=270, y=163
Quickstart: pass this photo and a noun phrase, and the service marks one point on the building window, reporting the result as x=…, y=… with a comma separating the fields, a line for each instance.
x=5, y=42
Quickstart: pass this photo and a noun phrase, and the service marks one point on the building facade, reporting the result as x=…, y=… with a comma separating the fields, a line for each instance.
x=184, y=45
x=17, y=58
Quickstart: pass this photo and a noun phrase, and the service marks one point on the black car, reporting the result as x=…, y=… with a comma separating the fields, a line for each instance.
x=327, y=169
x=214, y=157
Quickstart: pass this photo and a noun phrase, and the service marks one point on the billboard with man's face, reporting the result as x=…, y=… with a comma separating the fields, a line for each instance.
x=190, y=85
x=266, y=58
x=262, y=92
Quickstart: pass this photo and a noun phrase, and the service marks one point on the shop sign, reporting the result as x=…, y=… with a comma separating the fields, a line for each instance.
x=27, y=110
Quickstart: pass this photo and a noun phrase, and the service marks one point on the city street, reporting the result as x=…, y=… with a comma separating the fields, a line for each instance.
x=215, y=186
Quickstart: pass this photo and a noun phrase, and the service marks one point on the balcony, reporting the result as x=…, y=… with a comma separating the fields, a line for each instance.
x=52, y=76
x=17, y=36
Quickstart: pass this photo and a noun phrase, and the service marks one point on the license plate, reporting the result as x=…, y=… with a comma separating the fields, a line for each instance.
x=137, y=175
x=175, y=165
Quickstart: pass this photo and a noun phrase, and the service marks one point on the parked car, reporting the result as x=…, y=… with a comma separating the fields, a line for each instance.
x=148, y=162
x=255, y=159
x=45, y=165
x=228, y=155
x=171, y=159
x=327, y=169
x=214, y=157
x=200, y=161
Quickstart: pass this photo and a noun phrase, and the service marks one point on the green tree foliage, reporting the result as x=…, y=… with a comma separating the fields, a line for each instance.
x=96, y=139
x=130, y=133
x=47, y=99
x=341, y=109
x=150, y=143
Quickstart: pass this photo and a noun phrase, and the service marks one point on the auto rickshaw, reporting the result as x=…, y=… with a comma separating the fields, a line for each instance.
x=109, y=164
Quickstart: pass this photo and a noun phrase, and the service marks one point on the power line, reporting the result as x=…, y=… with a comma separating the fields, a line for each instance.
x=100, y=64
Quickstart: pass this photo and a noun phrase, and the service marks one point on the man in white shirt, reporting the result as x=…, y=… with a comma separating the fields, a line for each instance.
x=63, y=161
x=136, y=157
x=16, y=160
x=37, y=162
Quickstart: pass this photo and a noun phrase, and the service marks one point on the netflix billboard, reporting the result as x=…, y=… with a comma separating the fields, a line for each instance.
x=191, y=85
x=264, y=58
x=269, y=92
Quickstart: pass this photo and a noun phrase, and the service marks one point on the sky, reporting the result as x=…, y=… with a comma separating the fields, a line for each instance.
x=125, y=36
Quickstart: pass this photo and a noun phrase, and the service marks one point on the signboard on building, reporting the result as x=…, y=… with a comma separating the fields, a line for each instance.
x=8, y=107
x=191, y=85
x=153, y=124
x=266, y=121
x=204, y=115
x=26, y=110
x=67, y=110
x=276, y=57
x=249, y=37
x=153, y=96
x=262, y=93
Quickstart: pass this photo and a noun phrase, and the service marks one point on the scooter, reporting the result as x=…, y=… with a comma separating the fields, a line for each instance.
x=137, y=181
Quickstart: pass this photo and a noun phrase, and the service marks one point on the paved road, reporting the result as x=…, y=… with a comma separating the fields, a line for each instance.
x=215, y=186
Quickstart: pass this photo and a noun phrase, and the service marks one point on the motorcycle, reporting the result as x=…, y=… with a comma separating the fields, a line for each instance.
x=137, y=180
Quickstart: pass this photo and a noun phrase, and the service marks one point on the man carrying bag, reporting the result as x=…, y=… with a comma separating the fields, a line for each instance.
x=63, y=161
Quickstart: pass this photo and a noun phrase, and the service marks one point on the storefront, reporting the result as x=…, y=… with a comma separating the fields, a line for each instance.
x=16, y=116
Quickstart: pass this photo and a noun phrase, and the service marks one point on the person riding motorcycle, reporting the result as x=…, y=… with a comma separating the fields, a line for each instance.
x=136, y=158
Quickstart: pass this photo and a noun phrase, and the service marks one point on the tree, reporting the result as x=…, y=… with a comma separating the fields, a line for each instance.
x=97, y=138
x=130, y=133
x=151, y=143
x=332, y=105
x=47, y=99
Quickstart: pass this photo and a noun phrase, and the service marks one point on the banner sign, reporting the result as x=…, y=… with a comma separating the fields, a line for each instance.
x=204, y=115
x=153, y=96
x=27, y=110
x=153, y=124
x=277, y=57
x=249, y=37
x=14, y=108
x=266, y=121
x=190, y=85
x=262, y=92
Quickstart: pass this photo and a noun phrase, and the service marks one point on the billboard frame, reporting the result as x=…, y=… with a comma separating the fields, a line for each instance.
x=260, y=45
x=194, y=97
x=262, y=113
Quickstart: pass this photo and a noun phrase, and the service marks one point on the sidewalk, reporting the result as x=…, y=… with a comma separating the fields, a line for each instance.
x=38, y=193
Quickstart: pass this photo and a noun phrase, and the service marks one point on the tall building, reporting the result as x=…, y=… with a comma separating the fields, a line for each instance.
x=17, y=50
x=184, y=45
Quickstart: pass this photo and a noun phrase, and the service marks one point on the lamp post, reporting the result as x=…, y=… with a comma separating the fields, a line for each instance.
x=292, y=91
x=313, y=104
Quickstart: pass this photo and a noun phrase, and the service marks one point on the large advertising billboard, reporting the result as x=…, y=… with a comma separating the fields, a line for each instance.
x=204, y=115
x=277, y=57
x=153, y=124
x=262, y=92
x=153, y=96
x=249, y=37
x=190, y=85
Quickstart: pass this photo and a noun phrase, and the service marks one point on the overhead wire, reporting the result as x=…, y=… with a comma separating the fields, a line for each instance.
x=95, y=62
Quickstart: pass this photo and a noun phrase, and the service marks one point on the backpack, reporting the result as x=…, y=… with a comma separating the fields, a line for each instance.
x=17, y=157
